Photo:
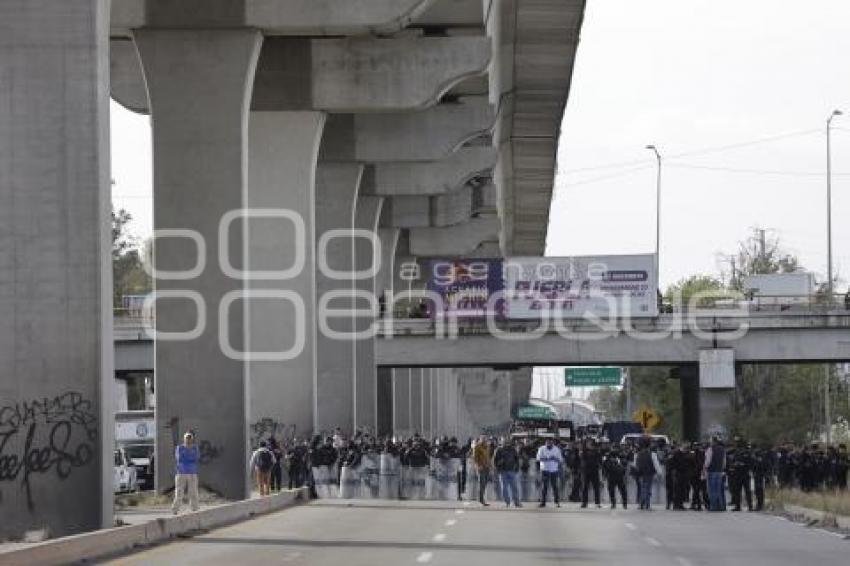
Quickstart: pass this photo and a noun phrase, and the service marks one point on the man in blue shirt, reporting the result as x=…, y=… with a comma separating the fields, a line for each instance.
x=187, y=457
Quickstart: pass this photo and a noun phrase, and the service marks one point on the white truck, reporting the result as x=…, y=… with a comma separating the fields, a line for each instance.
x=780, y=291
x=125, y=478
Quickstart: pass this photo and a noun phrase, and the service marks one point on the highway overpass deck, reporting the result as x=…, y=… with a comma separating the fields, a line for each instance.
x=667, y=339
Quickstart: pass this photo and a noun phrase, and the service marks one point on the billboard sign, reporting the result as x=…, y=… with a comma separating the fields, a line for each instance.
x=465, y=287
x=135, y=430
x=577, y=287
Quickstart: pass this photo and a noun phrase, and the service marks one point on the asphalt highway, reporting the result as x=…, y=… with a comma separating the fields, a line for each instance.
x=344, y=533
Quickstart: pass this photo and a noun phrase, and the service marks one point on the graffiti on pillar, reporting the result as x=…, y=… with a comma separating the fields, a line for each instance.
x=209, y=451
x=173, y=425
x=43, y=436
x=266, y=428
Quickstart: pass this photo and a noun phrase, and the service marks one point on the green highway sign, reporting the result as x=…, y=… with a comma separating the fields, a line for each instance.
x=593, y=376
x=534, y=412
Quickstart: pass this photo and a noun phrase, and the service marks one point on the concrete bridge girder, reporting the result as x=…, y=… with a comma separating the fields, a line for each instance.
x=455, y=240
x=345, y=75
x=437, y=177
x=427, y=135
x=806, y=341
x=283, y=17
x=434, y=211
x=362, y=75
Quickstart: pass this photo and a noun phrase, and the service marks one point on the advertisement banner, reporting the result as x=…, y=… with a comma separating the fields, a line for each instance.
x=137, y=430
x=578, y=287
x=465, y=287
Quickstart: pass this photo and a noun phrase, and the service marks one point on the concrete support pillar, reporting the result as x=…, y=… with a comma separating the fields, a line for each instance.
x=690, y=391
x=427, y=403
x=435, y=402
x=199, y=86
x=366, y=258
x=281, y=321
x=714, y=407
x=55, y=278
x=385, y=281
x=337, y=186
x=416, y=419
x=439, y=395
x=718, y=374
x=386, y=402
x=401, y=401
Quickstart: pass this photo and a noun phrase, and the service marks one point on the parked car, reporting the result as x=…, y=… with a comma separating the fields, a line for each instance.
x=125, y=473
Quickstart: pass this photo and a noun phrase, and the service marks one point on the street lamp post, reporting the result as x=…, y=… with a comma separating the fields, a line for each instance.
x=829, y=285
x=654, y=149
x=827, y=409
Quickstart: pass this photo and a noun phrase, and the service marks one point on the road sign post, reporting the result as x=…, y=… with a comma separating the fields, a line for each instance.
x=647, y=418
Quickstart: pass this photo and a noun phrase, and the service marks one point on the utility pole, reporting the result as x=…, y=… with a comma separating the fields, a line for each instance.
x=827, y=408
x=654, y=149
x=829, y=205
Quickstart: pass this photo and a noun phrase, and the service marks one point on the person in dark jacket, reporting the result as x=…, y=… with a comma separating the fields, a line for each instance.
x=740, y=463
x=614, y=467
x=646, y=465
x=761, y=471
x=590, y=467
x=506, y=462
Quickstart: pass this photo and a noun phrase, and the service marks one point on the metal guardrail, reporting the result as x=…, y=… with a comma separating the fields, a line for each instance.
x=721, y=315
x=758, y=311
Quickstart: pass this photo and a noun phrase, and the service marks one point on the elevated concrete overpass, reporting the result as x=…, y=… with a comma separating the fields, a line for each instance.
x=698, y=348
x=667, y=340
x=428, y=125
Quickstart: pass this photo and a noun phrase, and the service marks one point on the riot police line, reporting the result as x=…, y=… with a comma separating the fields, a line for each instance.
x=590, y=472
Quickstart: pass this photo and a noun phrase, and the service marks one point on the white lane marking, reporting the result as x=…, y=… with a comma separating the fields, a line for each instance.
x=425, y=557
x=467, y=503
x=652, y=541
x=631, y=526
x=451, y=523
x=439, y=537
x=459, y=512
x=683, y=561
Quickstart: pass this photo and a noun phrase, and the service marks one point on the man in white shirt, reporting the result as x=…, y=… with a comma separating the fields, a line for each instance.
x=551, y=460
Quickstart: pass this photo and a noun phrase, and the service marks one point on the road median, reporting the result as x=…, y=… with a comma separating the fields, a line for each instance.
x=117, y=540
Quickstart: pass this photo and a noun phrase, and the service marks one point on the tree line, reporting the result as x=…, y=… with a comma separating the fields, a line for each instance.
x=772, y=402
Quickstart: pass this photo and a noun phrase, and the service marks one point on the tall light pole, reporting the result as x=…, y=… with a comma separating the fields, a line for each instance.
x=657, y=217
x=827, y=409
x=829, y=203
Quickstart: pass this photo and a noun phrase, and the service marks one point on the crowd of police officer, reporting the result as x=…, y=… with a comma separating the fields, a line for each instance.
x=585, y=465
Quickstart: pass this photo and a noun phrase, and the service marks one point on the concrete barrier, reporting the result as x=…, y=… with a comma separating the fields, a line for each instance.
x=106, y=542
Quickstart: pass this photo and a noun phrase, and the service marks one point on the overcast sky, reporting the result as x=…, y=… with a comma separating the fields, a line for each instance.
x=689, y=75
x=686, y=75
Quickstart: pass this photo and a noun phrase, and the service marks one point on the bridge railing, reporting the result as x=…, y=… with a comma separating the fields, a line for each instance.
x=721, y=313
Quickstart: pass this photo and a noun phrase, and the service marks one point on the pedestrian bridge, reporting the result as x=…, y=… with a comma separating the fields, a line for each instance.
x=672, y=339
